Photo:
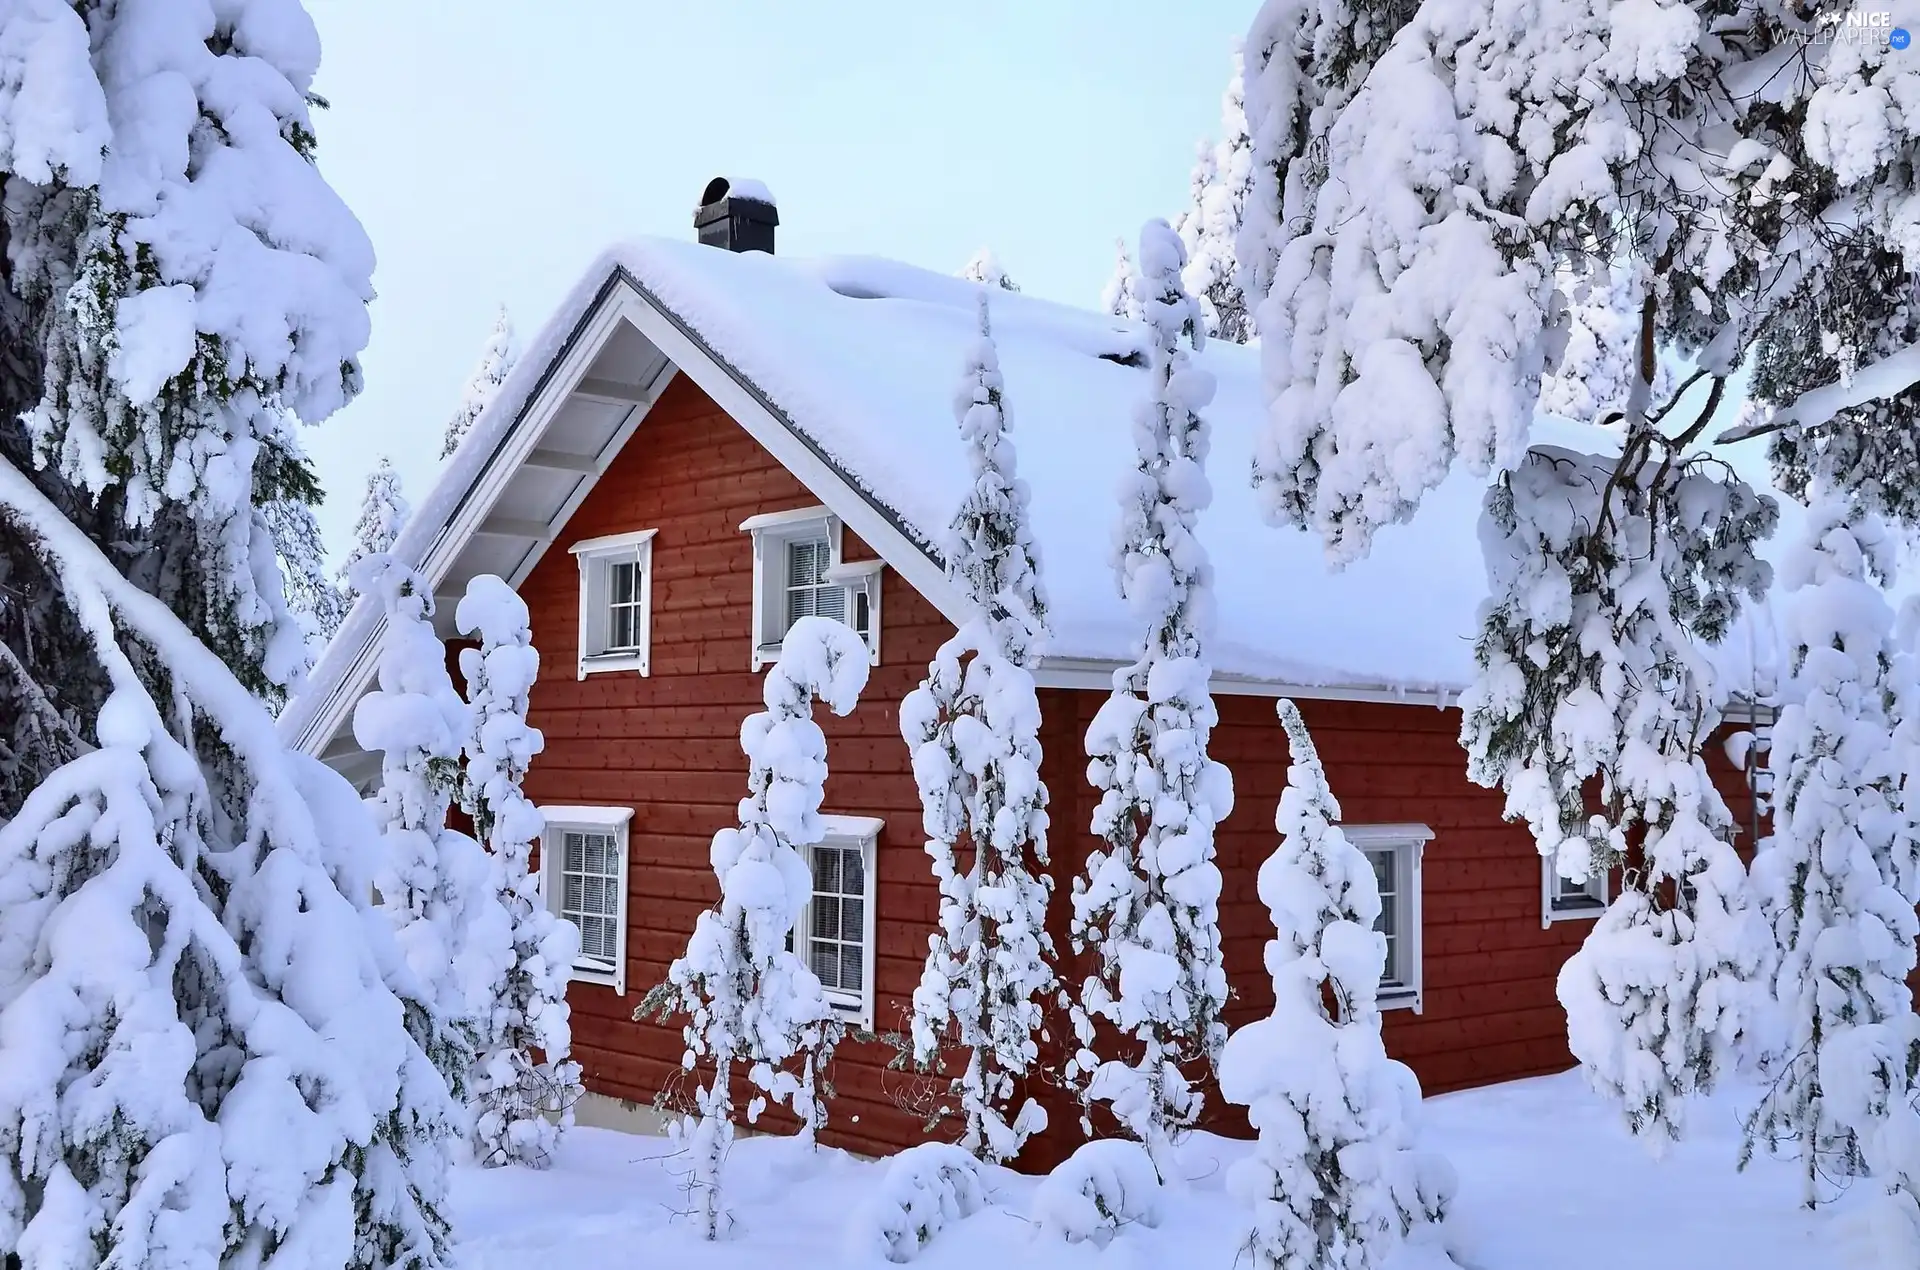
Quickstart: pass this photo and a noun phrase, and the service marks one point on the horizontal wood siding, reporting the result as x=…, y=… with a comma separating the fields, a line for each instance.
x=668, y=746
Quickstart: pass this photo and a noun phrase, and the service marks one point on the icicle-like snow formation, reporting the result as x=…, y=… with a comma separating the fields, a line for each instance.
x=1148, y=906
x=746, y=996
x=1328, y=1184
x=1839, y=877
x=522, y=1103
x=973, y=726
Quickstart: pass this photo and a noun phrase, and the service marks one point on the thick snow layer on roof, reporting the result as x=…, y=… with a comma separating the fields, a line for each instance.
x=861, y=354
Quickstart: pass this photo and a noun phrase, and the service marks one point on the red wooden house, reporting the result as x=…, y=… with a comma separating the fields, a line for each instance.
x=707, y=442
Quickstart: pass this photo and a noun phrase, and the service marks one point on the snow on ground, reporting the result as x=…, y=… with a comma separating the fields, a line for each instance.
x=1548, y=1181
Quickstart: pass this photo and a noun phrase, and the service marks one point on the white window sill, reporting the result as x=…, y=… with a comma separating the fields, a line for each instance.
x=604, y=663
x=1584, y=913
x=597, y=975
x=1400, y=999
x=852, y=1012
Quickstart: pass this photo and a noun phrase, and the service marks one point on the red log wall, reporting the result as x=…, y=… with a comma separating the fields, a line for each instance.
x=668, y=746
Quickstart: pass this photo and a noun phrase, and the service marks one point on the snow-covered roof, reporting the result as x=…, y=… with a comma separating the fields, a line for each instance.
x=858, y=358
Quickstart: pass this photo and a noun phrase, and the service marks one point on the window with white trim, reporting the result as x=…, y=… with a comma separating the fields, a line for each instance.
x=798, y=572
x=835, y=933
x=1562, y=900
x=616, y=602
x=583, y=875
x=1395, y=852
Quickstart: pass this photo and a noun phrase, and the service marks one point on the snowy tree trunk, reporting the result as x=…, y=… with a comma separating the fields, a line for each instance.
x=1331, y=1184
x=746, y=996
x=524, y=1085
x=973, y=727
x=1148, y=905
x=1840, y=876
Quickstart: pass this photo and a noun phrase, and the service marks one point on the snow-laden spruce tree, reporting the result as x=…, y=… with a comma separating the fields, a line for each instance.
x=1117, y=296
x=496, y=363
x=973, y=726
x=383, y=514
x=436, y=884
x=204, y=1046
x=524, y=1085
x=1419, y=202
x=209, y=1041
x=984, y=267
x=1148, y=907
x=1839, y=876
x=311, y=592
x=1210, y=226
x=1314, y=1075
x=747, y=997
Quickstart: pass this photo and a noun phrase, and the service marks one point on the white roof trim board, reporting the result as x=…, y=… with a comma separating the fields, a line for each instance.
x=595, y=817
x=843, y=369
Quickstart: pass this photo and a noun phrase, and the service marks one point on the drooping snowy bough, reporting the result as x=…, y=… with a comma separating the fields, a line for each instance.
x=1426, y=190
x=973, y=726
x=1332, y=1183
x=435, y=883
x=1148, y=907
x=210, y=1044
x=1591, y=683
x=747, y=997
x=524, y=1085
x=1839, y=877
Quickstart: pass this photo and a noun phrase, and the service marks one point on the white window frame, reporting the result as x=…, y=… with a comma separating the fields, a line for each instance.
x=855, y=1008
x=596, y=557
x=1582, y=906
x=772, y=532
x=1408, y=844
x=612, y=821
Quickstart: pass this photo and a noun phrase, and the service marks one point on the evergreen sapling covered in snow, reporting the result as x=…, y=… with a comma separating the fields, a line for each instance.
x=747, y=997
x=496, y=363
x=522, y=1102
x=436, y=883
x=383, y=514
x=1117, y=296
x=1326, y=1180
x=1839, y=877
x=973, y=726
x=310, y=591
x=1210, y=227
x=1148, y=906
x=984, y=268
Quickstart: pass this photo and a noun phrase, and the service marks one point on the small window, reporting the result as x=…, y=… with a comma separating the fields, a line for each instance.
x=1395, y=853
x=798, y=572
x=834, y=935
x=1562, y=900
x=616, y=601
x=583, y=875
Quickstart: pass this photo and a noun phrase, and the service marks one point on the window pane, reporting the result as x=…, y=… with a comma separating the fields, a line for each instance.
x=826, y=870
x=594, y=901
x=852, y=918
x=830, y=601
x=620, y=578
x=575, y=845
x=620, y=627
x=854, y=881
x=806, y=561
x=852, y=959
x=571, y=892
x=799, y=605
x=596, y=854
x=826, y=918
x=824, y=960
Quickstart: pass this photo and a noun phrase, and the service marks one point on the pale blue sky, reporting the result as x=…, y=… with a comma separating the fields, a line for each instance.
x=493, y=147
